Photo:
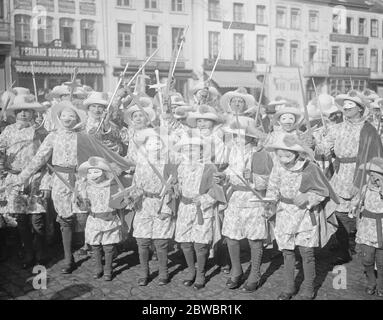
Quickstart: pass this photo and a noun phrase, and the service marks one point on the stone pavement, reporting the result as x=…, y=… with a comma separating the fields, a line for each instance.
x=16, y=283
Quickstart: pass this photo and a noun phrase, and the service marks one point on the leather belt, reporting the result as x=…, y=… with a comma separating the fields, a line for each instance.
x=338, y=161
x=70, y=171
x=106, y=216
x=189, y=201
x=378, y=217
x=286, y=200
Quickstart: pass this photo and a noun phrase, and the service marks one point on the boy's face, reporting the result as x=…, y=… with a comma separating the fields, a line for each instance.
x=286, y=157
x=68, y=118
x=95, y=175
x=205, y=124
x=287, y=121
x=376, y=179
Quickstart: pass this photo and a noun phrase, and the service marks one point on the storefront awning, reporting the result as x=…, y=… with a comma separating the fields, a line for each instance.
x=231, y=79
x=59, y=67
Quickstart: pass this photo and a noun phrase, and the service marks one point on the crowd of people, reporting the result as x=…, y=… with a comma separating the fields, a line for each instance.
x=205, y=175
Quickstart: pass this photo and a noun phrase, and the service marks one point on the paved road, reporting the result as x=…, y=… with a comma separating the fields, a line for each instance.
x=16, y=283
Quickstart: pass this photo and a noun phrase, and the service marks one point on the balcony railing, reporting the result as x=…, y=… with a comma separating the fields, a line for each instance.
x=239, y=25
x=229, y=65
x=346, y=71
x=316, y=69
x=335, y=37
x=88, y=8
x=67, y=6
x=5, y=31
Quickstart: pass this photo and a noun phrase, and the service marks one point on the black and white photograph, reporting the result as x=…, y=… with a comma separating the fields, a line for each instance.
x=175, y=151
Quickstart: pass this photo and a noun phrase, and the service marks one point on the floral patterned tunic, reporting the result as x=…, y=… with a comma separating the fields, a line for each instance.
x=21, y=144
x=367, y=229
x=99, y=231
x=62, y=146
x=343, y=138
x=244, y=219
x=187, y=227
x=147, y=223
x=293, y=225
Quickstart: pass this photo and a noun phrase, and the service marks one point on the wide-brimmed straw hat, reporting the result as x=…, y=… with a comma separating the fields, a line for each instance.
x=100, y=98
x=201, y=85
x=59, y=91
x=95, y=163
x=204, y=112
x=239, y=93
x=351, y=96
x=370, y=95
x=58, y=108
x=21, y=91
x=290, y=142
x=375, y=164
x=26, y=102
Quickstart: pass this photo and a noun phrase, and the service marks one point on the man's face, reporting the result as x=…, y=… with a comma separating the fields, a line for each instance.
x=96, y=110
x=69, y=118
x=238, y=105
x=287, y=121
x=351, y=110
x=286, y=156
x=95, y=175
x=205, y=124
x=24, y=116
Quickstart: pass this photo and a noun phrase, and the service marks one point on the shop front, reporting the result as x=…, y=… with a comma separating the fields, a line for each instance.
x=54, y=65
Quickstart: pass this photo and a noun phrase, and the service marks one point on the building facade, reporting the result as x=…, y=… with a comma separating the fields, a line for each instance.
x=52, y=38
x=5, y=45
x=134, y=29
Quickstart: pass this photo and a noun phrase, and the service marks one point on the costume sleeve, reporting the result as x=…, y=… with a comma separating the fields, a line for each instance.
x=325, y=144
x=207, y=201
x=315, y=199
x=41, y=158
x=274, y=184
x=46, y=182
x=4, y=138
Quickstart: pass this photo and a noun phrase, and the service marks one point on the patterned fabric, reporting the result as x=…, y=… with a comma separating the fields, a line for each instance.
x=244, y=219
x=20, y=144
x=343, y=138
x=187, y=227
x=367, y=231
x=62, y=146
x=147, y=222
x=293, y=225
x=99, y=231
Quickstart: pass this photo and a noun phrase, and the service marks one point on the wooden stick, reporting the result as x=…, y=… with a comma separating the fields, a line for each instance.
x=319, y=104
x=307, y=118
x=260, y=98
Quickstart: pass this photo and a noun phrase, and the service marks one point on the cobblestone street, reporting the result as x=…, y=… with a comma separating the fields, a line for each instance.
x=16, y=283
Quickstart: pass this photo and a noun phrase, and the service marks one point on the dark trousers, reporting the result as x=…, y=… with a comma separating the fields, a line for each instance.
x=161, y=246
x=202, y=253
x=308, y=263
x=256, y=249
x=67, y=227
x=97, y=256
x=370, y=256
x=345, y=235
x=31, y=228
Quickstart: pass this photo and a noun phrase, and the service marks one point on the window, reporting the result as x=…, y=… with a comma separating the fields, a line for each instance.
x=2, y=9
x=349, y=25
x=124, y=39
x=349, y=61
x=124, y=3
x=22, y=27
x=238, y=12
x=374, y=60
x=178, y=5
x=214, y=43
x=281, y=54
x=177, y=34
x=361, y=58
x=374, y=28
x=281, y=17
x=45, y=30
x=336, y=23
x=151, y=4
x=335, y=56
x=239, y=46
x=66, y=31
x=261, y=48
x=294, y=53
x=151, y=39
x=314, y=20
x=362, y=27
x=87, y=33
x=214, y=10
x=261, y=15
x=295, y=19
x=313, y=49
